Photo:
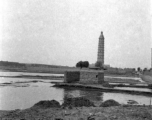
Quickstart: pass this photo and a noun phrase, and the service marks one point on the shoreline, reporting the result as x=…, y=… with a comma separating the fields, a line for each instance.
x=101, y=88
x=81, y=113
x=36, y=77
x=62, y=72
x=106, y=111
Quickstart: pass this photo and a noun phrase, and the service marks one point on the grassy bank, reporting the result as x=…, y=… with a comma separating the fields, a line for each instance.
x=108, y=110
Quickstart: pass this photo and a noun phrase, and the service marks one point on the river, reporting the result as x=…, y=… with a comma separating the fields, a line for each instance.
x=24, y=93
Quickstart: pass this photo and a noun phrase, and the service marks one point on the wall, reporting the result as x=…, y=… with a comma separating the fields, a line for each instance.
x=101, y=77
x=71, y=76
x=88, y=77
x=85, y=76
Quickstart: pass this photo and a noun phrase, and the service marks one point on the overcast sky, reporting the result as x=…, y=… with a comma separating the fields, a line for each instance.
x=63, y=32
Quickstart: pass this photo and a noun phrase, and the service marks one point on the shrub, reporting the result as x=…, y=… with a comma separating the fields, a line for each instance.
x=109, y=103
x=82, y=64
x=48, y=104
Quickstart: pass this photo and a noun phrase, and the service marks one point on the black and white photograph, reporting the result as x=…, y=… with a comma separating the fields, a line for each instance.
x=75, y=60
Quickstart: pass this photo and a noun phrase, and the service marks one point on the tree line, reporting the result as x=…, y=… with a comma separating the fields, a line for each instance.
x=82, y=64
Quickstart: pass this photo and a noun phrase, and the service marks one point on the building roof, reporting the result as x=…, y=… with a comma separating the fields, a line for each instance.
x=101, y=35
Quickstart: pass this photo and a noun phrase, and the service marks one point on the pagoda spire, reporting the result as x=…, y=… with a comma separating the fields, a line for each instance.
x=100, y=57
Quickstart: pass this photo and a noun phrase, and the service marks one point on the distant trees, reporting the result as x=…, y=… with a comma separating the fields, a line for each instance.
x=79, y=64
x=99, y=64
x=144, y=70
x=82, y=64
x=138, y=69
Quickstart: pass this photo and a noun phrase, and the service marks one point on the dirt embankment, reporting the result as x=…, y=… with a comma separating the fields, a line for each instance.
x=36, y=77
x=79, y=109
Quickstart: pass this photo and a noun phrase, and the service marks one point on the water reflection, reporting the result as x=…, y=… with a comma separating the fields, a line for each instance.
x=95, y=96
x=98, y=96
x=12, y=97
x=24, y=97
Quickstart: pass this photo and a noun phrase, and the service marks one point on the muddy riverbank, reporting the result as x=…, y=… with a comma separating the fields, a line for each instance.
x=46, y=110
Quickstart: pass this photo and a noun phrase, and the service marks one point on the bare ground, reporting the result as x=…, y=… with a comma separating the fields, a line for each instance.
x=81, y=113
